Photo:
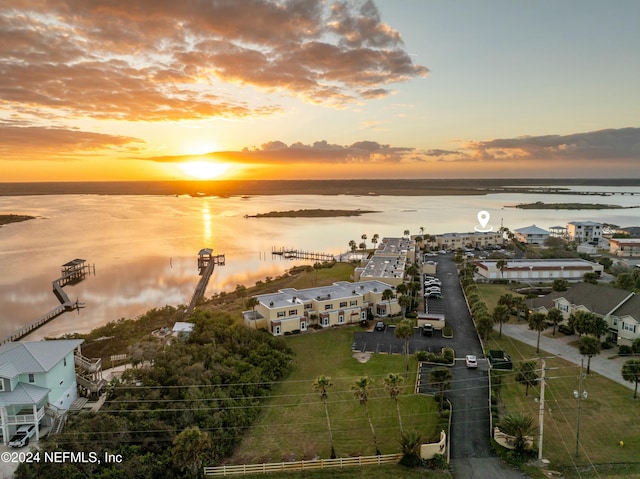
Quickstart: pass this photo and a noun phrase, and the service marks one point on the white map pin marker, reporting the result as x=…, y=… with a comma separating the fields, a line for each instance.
x=483, y=219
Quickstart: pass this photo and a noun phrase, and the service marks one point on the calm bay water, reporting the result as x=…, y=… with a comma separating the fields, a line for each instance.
x=145, y=247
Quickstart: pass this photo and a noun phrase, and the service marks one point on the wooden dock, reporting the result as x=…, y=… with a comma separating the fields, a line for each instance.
x=206, y=264
x=72, y=272
x=292, y=253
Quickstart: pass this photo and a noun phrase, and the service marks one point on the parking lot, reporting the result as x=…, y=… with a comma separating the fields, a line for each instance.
x=385, y=342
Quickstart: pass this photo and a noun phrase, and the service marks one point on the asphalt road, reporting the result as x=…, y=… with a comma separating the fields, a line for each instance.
x=470, y=447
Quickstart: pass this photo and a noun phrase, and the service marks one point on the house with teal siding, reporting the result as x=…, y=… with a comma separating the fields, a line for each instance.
x=37, y=383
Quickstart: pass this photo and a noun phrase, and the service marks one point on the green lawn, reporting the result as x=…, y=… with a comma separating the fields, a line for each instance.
x=609, y=414
x=490, y=293
x=294, y=426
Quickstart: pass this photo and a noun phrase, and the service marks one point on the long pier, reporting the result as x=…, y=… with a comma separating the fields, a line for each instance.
x=72, y=272
x=206, y=264
x=292, y=253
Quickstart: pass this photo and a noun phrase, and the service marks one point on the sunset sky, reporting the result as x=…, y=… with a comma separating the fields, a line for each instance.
x=235, y=89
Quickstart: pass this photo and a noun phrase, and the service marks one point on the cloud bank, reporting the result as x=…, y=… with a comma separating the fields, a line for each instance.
x=149, y=60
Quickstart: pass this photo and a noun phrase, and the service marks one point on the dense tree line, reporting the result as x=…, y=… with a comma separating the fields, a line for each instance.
x=195, y=394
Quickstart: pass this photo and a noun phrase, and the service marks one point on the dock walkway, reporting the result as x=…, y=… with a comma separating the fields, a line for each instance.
x=72, y=272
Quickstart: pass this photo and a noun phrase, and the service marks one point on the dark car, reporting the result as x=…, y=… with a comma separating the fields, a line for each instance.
x=427, y=329
x=380, y=326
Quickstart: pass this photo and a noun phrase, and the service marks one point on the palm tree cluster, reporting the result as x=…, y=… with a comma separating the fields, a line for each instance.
x=392, y=383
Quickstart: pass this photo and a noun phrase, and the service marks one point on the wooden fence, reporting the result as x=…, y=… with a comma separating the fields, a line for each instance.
x=301, y=465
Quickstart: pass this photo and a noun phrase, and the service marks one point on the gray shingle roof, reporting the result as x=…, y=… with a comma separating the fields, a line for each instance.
x=631, y=307
x=597, y=299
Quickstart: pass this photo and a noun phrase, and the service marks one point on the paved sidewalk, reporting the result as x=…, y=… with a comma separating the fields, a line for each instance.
x=601, y=364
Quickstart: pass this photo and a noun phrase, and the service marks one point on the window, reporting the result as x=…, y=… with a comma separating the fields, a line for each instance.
x=65, y=361
x=328, y=307
x=629, y=327
x=563, y=307
x=343, y=304
x=280, y=314
x=354, y=303
x=293, y=312
x=32, y=378
x=1, y=384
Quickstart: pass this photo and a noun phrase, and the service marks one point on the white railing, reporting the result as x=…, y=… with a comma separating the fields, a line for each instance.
x=302, y=465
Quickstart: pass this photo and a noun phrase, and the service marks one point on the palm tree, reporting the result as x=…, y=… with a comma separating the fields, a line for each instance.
x=527, y=374
x=404, y=301
x=501, y=265
x=410, y=443
x=537, y=323
x=507, y=300
x=439, y=377
x=374, y=239
x=404, y=331
x=589, y=346
x=501, y=315
x=364, y=240
x=352, y=246
x=519, y=427
x=392, y=386
x=252, y=302
x=321, y=384
x=387, y=295
x=631, y=373
x=554, y=315
x=361, y=392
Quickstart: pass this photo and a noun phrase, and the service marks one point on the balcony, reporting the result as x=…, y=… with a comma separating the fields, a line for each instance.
x=25, y=416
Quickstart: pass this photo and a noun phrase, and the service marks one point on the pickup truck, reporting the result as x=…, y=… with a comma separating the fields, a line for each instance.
x=22, y=436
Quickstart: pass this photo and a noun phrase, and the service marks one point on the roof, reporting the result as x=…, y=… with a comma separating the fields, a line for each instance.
x=24, y=393
x=545, y=301
x=584, y=223
x=532, y=230
x=597, y=299
x=182, y=327
x=34, y=357
x=631, y=307
x=342, y=289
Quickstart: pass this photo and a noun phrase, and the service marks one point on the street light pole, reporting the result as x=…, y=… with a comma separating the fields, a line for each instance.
x=579, y=395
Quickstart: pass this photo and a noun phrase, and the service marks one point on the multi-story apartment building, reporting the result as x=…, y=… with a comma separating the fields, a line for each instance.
x=292, y=310
x=475, y=239
x=584, y=231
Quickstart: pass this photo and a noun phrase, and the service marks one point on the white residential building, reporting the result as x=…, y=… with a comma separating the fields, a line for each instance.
x=584, y=231
x=531, y=235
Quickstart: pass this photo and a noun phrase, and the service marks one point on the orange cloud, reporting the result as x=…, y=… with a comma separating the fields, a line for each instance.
x=152, y=61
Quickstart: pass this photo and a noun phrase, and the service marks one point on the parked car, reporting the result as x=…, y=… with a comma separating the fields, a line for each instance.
x=471, y=361
x=427, y=329
x=380, y=326
x=432, y=289
x=433, y=282
x=22, y=436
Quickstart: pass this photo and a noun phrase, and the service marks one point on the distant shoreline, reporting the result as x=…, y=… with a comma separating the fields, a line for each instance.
x=8, y=219
x=316, y=213
x=359, y=187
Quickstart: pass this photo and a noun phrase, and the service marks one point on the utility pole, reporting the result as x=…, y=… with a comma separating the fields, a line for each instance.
x=541, y=415
x=579, y=395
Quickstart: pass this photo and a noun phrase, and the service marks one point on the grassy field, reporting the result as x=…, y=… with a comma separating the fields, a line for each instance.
x=609, y=415
x=369, y=472
x=490, y=293
x=294, y=426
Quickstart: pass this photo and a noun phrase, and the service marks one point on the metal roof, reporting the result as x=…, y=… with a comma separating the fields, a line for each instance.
x=24, y=393
x=34, y=357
